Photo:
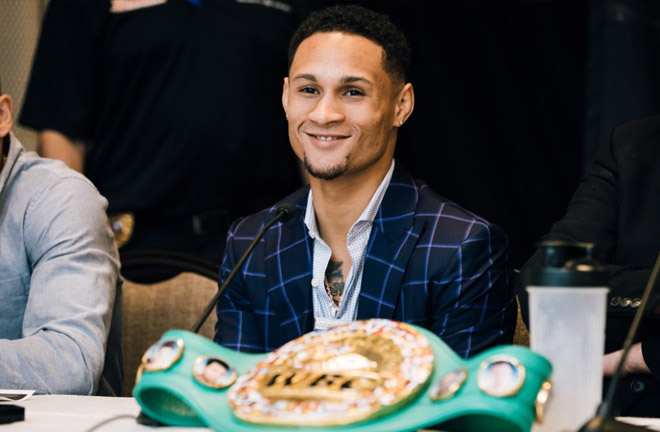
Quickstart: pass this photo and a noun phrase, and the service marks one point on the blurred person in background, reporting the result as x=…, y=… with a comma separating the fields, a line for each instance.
x=616, y=207
x=170, y=109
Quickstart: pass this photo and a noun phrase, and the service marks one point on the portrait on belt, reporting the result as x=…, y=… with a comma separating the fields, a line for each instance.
x=501, y=377
x=213, y=372
x=162, y=355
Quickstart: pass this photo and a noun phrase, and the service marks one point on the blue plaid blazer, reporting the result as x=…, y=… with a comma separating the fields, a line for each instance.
x=429, y=262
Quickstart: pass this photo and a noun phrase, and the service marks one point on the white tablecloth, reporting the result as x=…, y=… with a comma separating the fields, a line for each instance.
x=80, y=413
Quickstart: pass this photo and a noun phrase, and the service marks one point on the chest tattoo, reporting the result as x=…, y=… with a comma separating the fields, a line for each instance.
x=334, y=282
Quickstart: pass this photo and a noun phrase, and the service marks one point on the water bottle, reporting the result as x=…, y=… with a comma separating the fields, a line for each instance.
x=567, y=307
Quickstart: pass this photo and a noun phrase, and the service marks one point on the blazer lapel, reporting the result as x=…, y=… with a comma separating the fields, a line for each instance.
x=393, y=238
x=288, y=262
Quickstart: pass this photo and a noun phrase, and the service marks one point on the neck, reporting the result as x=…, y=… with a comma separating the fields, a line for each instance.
x=339, y=203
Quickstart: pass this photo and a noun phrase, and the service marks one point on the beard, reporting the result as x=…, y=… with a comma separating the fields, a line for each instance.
x=328, y=173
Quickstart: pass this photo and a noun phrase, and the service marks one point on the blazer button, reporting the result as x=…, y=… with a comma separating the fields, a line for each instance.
x=637, y=386
x=625, y=302
x=614, y=301
x=636, y=302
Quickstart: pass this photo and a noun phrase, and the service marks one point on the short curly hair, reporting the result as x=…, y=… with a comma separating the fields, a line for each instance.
x=360, y=21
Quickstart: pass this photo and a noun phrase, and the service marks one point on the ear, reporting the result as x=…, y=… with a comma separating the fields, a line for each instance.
x=285, y=96
x=405, y=103
x=6, y=105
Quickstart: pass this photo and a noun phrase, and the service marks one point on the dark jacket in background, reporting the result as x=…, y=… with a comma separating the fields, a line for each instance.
x=617, y=207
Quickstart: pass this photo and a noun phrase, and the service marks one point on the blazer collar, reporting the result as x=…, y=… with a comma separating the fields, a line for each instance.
x=393, y=239
x=288, y=263
x=397, y=210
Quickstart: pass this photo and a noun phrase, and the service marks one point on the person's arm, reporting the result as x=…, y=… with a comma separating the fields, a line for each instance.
x=483, y=312
x=54, y=145
x=237, y=326
x=651, y=354
x=74, y=274
x=634, y=363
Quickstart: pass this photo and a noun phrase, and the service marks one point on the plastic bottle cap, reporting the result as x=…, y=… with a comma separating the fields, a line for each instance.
x=568, y=264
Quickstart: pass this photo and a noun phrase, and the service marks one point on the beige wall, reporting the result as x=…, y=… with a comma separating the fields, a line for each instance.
x=20, y=21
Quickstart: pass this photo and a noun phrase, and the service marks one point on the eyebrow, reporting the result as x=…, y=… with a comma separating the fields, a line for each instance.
x=344, y=80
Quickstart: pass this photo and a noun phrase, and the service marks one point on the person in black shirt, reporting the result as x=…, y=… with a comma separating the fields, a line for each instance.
x=171, y=108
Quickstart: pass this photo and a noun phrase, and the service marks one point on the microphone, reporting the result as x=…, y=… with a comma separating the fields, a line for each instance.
x=604, y=421
x=283, y=213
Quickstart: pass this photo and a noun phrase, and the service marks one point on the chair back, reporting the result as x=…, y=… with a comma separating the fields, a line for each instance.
x=521, y=333
x=150, y=309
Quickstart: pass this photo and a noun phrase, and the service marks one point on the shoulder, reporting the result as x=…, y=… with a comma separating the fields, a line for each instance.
x=642, y=128
x=637, y=137
x=629, y=151
x=47, y=179
x=444, y=215
x=412, y=201
x=51, y=201
x=56, y=211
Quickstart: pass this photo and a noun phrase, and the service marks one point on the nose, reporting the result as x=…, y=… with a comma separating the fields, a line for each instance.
x=327, y=110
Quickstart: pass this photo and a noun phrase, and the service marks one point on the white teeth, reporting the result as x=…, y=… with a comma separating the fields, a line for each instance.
x=324, y=138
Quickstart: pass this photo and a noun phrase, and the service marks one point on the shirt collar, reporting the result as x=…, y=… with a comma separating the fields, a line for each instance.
x=368, y=214
x=11, y=149
x=5, y=151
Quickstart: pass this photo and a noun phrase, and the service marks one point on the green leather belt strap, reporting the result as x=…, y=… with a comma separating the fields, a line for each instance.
x=174, y=397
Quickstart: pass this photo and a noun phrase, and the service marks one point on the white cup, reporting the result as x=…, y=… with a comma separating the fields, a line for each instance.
x=567, y=326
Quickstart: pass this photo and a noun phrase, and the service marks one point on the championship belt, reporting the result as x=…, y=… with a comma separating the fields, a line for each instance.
x=376, y=375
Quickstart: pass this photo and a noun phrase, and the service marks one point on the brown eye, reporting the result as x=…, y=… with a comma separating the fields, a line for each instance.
x=354, y=92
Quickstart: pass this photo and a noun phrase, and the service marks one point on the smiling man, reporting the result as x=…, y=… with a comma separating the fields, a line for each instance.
x=367, y=241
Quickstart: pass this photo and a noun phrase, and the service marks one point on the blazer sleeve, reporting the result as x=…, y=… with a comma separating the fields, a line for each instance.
x=237, y=326
x=481, y=312
x=73, y=282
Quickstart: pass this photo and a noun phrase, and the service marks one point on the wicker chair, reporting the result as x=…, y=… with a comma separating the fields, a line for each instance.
x=153, y=308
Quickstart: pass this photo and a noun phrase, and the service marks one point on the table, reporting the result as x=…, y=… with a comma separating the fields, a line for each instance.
x=81, y=413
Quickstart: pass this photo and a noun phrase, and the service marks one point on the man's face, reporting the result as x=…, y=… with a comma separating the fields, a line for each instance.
x=214, y=371
x=341, y=106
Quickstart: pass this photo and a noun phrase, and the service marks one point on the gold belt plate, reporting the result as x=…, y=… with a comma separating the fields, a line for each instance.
x=351, y=373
